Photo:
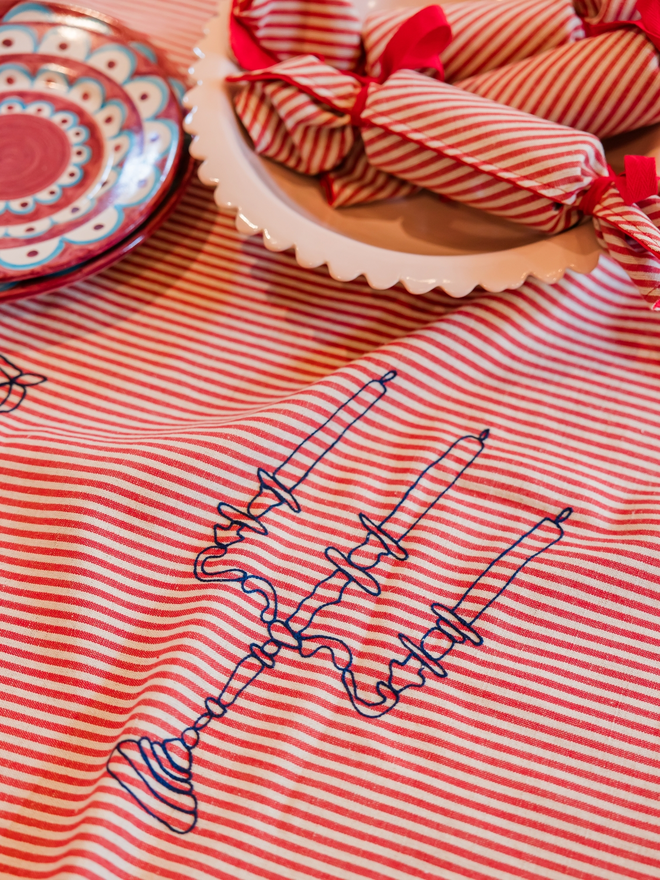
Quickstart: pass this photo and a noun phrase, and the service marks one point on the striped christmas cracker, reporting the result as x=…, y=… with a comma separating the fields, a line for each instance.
x=511, y=164
x=478, y=152
x=605, y=85
x=285, y=126
x=485, y=33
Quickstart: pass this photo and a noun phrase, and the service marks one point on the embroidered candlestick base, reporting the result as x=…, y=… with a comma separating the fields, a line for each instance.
x=159, y=776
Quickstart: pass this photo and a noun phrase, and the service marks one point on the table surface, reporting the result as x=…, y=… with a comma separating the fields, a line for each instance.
x=201, y=357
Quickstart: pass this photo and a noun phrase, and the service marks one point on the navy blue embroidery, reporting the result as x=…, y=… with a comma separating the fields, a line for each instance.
x=14, y=384
x=159, y=774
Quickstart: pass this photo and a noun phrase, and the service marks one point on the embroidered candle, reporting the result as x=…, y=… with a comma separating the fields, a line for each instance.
x=455, y=624
x=501, y=572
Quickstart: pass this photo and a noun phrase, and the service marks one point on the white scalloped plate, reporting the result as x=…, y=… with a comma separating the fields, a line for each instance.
x=421, y=241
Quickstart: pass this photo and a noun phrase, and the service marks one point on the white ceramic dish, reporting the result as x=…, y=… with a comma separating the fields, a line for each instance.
x=421, y=241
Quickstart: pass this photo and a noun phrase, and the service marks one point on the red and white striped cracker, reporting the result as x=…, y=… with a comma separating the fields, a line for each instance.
x=605, y=85
x=357, y=181
x=509, y=163
x=287, y=125
x=491, y=33
x=434, y=135
x=417, y=130
x=285, y=28
x=295, y=138
x=463, y=183
x=550, y=160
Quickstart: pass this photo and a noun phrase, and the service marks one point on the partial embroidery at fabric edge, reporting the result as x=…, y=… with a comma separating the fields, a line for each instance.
x=14, y=384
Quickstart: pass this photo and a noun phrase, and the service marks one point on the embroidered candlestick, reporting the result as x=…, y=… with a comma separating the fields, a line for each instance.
x=158, y=775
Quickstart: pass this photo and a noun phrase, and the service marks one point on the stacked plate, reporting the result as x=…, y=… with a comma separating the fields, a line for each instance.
x=93, y=157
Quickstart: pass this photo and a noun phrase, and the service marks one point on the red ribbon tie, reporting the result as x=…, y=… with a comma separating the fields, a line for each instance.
x=418, y=43
x=639, y=181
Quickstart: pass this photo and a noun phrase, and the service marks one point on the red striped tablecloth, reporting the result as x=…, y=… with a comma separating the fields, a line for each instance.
x=171, y=379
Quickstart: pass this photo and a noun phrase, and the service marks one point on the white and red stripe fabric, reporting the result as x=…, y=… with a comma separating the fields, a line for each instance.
x=158, y=389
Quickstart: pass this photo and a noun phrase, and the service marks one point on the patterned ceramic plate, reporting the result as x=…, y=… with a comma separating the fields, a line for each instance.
x=49, y=283
x=90, y=137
